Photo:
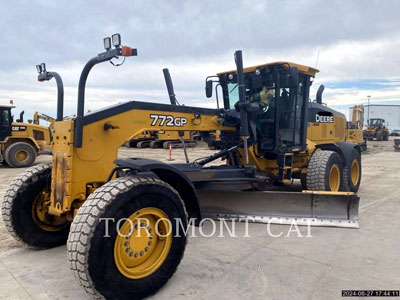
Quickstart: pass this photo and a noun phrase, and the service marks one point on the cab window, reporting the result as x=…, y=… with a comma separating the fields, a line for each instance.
x=233, y=94
x=5, y=118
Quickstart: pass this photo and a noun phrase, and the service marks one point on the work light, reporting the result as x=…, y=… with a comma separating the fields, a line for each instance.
x=39, y=68
x=107, y=43
x=116, y=40
x=43, y=67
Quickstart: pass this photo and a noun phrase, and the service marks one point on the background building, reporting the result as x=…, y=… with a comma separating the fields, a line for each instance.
x=391, y=114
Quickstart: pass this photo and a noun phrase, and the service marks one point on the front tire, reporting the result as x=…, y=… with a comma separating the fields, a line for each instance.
x=25, y=214
x=325, y=172
x=110, y=265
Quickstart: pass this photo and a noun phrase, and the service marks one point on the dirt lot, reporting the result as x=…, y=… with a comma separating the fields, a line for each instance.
x=256, y=267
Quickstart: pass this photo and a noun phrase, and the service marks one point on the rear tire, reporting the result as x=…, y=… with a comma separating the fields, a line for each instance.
x=325, y=171
x=352, y=173
x=94, y=257
x=20, y=155
x=24, y=214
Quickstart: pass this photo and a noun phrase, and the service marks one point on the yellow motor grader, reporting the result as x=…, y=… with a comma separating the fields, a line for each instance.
x=20, y=142
x=125, y=219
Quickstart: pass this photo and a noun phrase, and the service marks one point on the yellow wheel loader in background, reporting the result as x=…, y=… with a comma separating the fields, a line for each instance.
x=20, y=142
x=376, y=130
x=125, y=219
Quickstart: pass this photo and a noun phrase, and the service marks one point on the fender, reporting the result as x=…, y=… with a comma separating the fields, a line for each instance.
x=11, y=139
x=344, y=149
x=171, y=175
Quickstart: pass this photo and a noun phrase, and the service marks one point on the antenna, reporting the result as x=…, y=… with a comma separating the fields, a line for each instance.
x=316, y=62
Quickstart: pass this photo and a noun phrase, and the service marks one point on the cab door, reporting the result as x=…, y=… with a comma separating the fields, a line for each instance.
x=5, y=123
x=290, y=116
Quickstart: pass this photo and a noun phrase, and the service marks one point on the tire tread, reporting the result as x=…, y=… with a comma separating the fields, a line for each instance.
x=86, y=220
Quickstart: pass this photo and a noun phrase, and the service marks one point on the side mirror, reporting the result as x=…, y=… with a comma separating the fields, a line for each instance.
x=293, y=77
x=209, y=88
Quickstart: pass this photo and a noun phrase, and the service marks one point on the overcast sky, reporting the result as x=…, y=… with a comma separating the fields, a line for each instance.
x=358, y=44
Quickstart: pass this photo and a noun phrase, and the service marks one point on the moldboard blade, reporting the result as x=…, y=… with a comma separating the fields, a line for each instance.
x=334, y=209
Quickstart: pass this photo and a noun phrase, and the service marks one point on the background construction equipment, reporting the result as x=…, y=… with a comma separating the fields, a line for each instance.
x=354, y=128
x=396, y=144
x=376, y=130
x=20, y=142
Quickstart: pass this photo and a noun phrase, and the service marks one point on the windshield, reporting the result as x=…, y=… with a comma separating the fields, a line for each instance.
x=4, y=118
x=264, y=95
x=375, y=122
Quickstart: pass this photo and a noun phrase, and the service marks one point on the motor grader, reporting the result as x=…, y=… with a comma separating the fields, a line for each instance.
x=270, y=134
x=20, y=142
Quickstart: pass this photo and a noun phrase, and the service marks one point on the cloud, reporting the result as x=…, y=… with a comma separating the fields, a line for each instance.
x=358, y=42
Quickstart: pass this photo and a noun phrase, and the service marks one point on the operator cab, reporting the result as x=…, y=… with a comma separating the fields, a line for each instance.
x=379, y=123
x=279, y=125
x=5, y=121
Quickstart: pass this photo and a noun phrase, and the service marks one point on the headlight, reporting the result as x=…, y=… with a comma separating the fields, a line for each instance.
x=116, y=40
x=107, y=43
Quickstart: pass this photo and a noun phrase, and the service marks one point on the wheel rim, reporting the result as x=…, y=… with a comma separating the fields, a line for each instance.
x=41, y=217
x=143, y=243
x=334, y=178
x=21, y=155
x=355, y=172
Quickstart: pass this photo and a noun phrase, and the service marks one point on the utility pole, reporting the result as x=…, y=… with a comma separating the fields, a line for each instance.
x=369, y=108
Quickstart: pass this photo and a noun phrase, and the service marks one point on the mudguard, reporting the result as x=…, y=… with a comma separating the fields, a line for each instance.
x=171, y=175
x=344, y=149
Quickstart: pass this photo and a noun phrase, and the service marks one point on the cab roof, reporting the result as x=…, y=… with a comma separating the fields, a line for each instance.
x=302, y=69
